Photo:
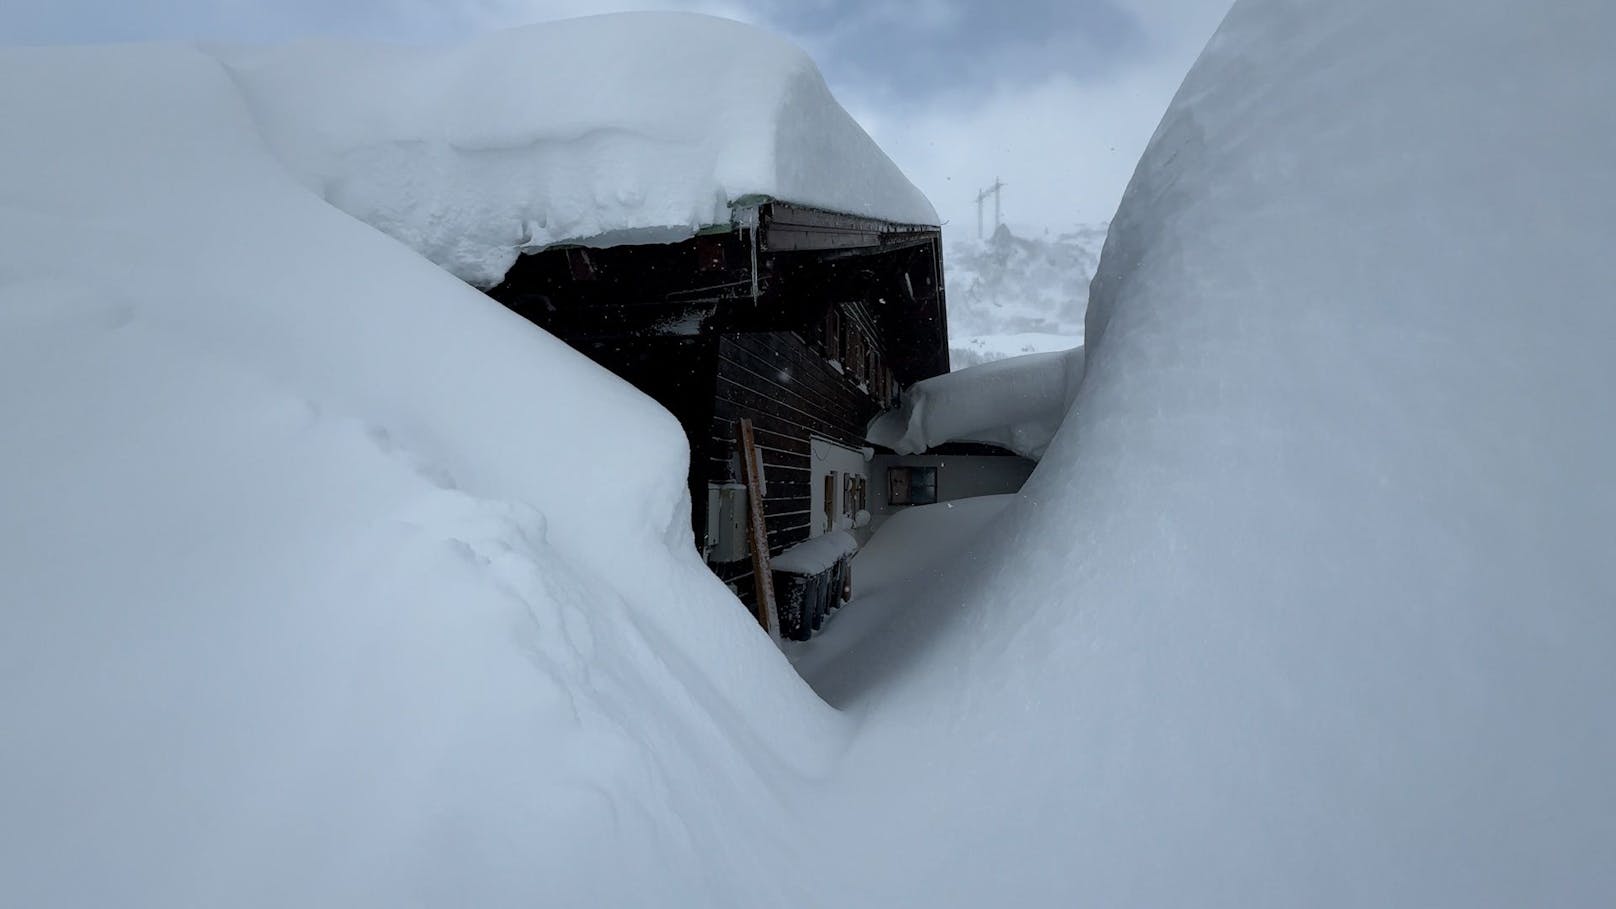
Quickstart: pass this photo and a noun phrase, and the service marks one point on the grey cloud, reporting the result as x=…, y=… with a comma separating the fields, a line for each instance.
x=904, y=51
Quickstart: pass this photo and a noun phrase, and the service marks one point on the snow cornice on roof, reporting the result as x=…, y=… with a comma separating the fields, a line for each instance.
x=624, y=128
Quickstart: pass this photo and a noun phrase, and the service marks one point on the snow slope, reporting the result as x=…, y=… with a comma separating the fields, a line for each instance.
x=1310, y=601
x=608, y=129
x=311, y=556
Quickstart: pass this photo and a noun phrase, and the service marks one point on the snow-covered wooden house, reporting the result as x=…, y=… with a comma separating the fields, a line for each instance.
x=700, y=216
x=802, y=321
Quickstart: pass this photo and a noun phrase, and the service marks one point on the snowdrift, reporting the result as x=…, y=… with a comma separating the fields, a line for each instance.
x=603, y=130
x=1310, y=600
x=312, y=557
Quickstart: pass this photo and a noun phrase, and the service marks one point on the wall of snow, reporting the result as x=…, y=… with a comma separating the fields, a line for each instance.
x=312, y=558
x=637, y=127
x=1310, y=601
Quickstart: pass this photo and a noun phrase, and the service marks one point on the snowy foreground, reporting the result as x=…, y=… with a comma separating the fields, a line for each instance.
x=327, y=581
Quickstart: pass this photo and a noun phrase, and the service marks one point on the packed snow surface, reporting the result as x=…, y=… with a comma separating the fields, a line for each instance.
x=1016, y=403
x=625, y=128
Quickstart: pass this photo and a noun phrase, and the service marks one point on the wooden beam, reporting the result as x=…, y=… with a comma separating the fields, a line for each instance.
x=757, y=536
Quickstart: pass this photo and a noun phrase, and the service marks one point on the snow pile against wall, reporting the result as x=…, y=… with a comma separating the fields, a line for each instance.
x=312, y=558
x=1310, y=601
x=638, y=127
x=815, y=555
x=1016, y=403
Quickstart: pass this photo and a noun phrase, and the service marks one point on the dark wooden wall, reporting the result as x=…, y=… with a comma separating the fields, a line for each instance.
x=791, y=394
x=732, y=324
x=676, y=372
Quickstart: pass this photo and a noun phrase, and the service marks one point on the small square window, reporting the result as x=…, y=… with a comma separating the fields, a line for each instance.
x=833, y=335
x=912, y=485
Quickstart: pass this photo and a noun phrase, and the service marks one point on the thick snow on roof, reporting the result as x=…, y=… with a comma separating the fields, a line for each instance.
x=635, y=127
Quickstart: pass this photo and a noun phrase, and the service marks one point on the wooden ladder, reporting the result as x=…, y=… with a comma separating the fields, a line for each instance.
x=757, y=533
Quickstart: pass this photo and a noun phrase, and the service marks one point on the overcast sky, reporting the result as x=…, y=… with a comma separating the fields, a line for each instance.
x=1056, y=97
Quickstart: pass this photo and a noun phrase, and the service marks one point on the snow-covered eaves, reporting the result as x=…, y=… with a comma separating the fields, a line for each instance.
x=627, y=128
x=1016, y=403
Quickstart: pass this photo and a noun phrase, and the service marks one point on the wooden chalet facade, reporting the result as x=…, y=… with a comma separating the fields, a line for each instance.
x=805, y=322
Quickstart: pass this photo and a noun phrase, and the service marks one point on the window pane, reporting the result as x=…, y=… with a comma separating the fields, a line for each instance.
x=923, y=486
x=898, y=485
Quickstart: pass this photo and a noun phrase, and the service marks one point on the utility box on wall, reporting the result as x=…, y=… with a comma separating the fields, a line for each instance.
x=726, y=523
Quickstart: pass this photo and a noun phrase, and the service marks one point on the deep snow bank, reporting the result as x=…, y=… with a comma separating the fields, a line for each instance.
x=312, y=558
x=607, y=129
x=1311, y=600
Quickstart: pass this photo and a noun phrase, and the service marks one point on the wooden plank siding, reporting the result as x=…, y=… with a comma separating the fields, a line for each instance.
x=733, y=323
x=791, y=394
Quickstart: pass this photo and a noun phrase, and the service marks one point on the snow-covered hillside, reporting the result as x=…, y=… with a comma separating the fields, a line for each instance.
x=325, y=580
x=1010, y=295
